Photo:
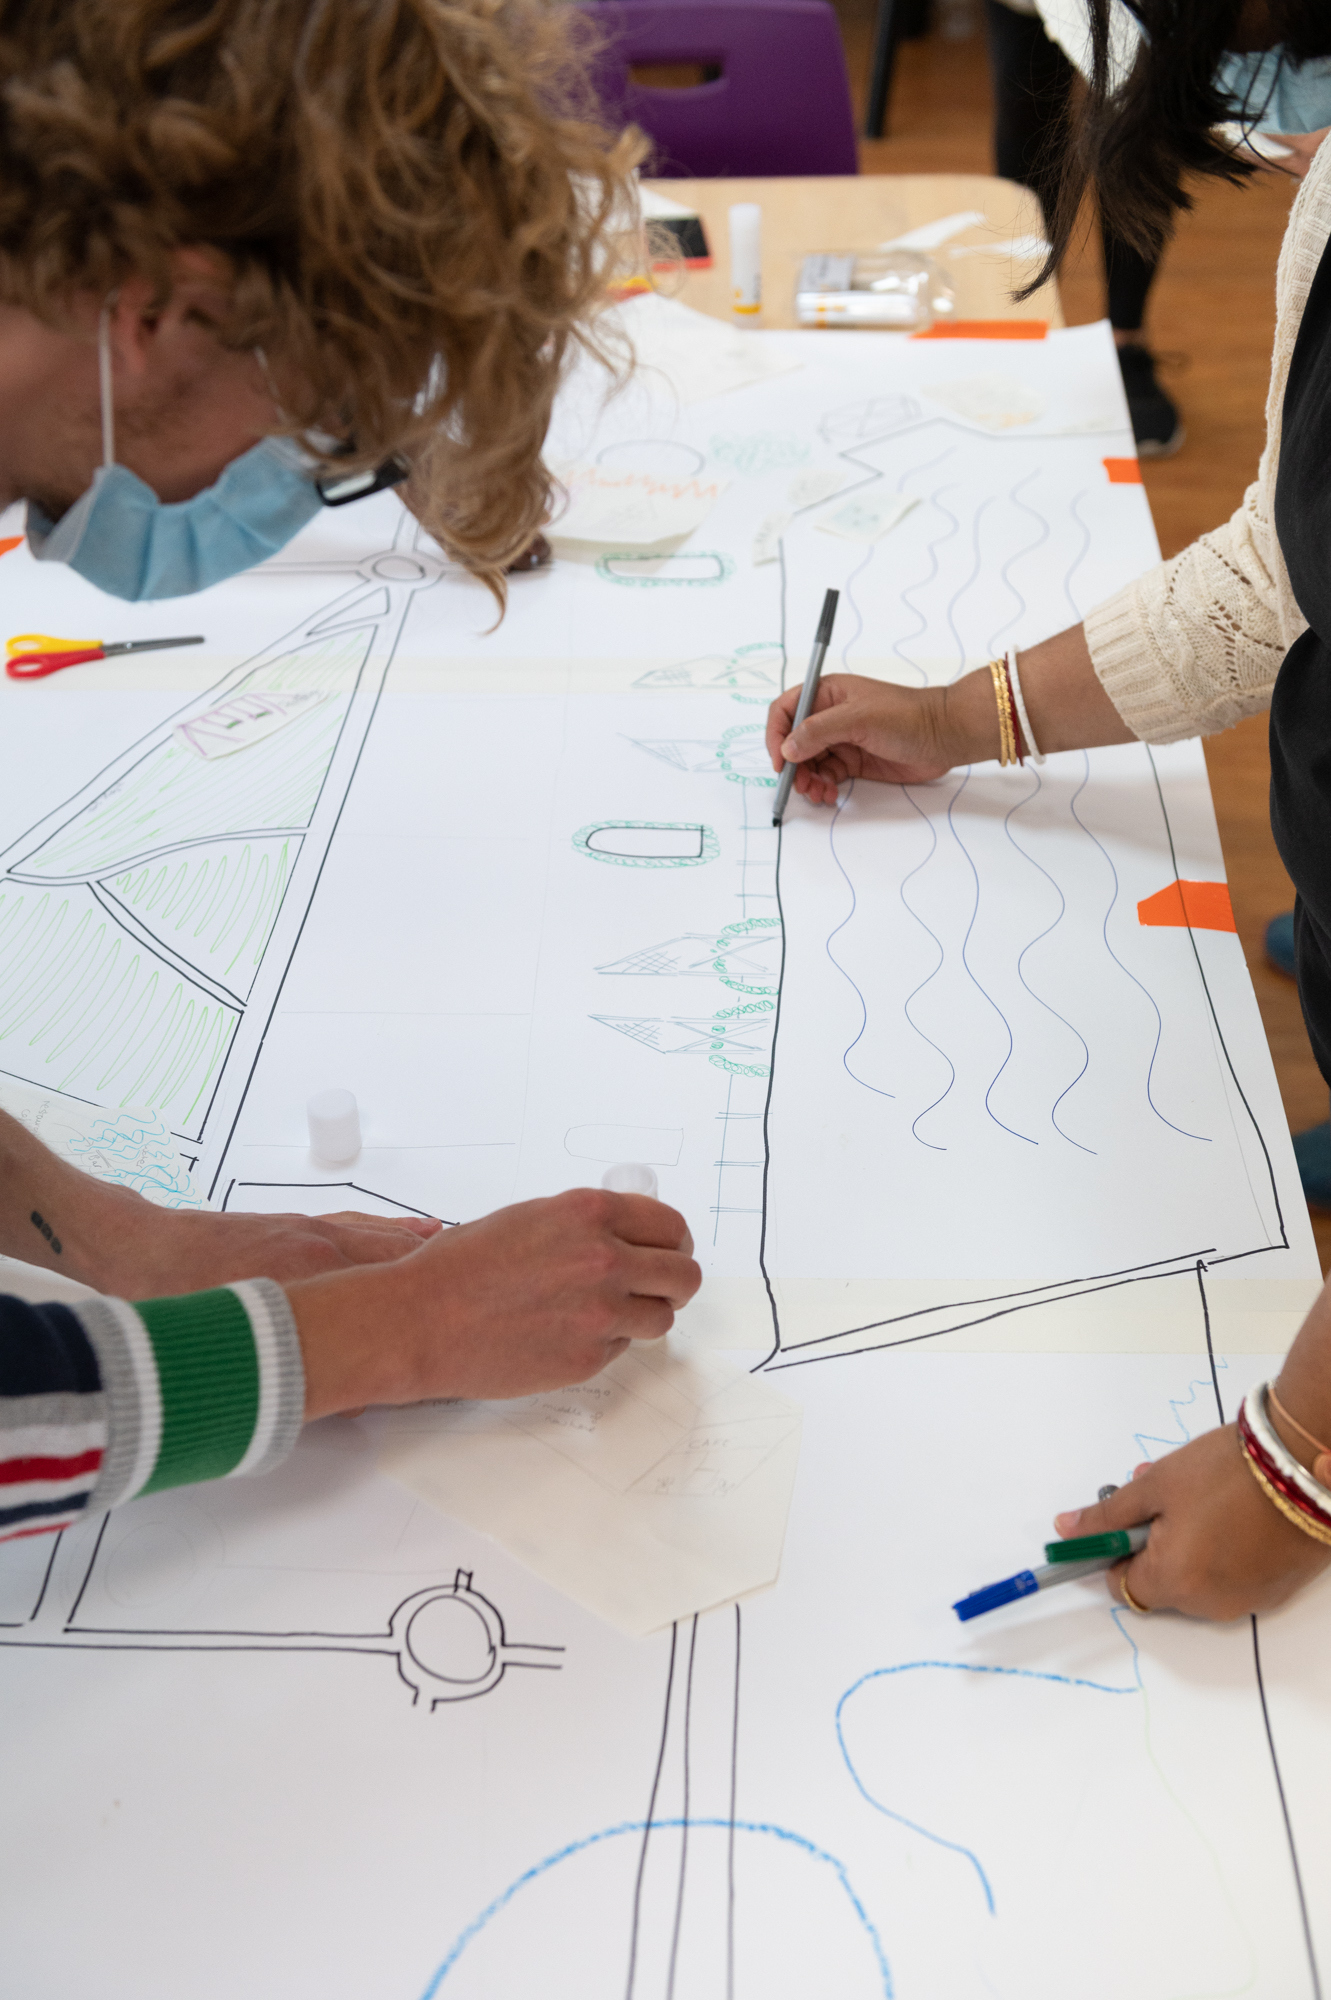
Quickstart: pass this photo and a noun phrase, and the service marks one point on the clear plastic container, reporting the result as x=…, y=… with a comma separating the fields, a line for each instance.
x=893, y=290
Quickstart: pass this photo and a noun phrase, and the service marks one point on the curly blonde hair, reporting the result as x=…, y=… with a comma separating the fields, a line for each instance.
x=417, y=211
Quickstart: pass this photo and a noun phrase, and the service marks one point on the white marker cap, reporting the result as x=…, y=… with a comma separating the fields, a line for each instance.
x=629, y=1178
x=334, y=1127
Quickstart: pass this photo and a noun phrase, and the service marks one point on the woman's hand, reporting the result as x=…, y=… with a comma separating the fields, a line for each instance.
x=905, y=736
x=1218, y=1548
x=861, y=729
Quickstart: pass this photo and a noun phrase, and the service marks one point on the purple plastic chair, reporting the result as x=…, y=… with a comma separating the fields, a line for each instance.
x=780, y=101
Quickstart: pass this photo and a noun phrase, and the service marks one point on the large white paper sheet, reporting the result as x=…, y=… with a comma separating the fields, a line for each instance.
x=657, y=1490
x=992, y=1173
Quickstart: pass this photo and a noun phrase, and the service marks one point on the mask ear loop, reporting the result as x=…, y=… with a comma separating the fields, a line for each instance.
x=104, y=379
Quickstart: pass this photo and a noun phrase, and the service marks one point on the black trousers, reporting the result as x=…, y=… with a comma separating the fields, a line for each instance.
x=1032, y=81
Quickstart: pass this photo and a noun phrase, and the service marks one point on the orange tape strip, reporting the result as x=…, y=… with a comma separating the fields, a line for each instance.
x=1198, y=906
x=1122, y=471
x=986, y=329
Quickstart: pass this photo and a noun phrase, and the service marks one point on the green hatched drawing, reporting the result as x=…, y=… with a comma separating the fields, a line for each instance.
x=129, y=1030
x=648, y=843
x=754, y=453
x=749, y=955
x=742, y=755
x=729, y=1040
x=174, y=795
x=758, y=668
x=213, y=906
x=649, y=572
x=737, y=1040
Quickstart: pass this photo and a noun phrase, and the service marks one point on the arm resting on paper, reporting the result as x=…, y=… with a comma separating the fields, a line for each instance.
x=114, y=1240
x=1218, y=1547
x=101, y=1401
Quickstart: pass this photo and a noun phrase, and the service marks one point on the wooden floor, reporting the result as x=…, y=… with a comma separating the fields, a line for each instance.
x=1211, y=318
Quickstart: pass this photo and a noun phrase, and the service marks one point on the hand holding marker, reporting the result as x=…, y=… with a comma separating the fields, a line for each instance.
x=822, y=639
x=1082, y=1555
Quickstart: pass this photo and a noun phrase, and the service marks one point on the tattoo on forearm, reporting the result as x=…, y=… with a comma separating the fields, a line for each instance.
x=40, y=1222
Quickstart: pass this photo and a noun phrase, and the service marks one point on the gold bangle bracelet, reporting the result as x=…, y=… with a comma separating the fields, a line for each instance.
x=1315, y=1529
x=1007, y=735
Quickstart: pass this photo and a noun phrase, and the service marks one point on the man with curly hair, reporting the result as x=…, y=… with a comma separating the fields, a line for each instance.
x=245, y=245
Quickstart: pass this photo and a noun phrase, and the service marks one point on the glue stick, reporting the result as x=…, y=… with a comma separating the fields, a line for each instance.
x=746, y=260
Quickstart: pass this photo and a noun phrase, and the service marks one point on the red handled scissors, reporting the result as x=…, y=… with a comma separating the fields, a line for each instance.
x=33, y=655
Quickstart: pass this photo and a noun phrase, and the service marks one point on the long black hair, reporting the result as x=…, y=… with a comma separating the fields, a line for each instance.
x=1137, y=143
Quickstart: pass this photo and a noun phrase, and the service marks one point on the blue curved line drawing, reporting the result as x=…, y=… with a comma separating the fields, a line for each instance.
x=925, y=465
x=970, y=973
x=1201, y=1137
x=1019, y=555
x=1080, y=557
x=960, y=592
x=1177, y=1405
x=951, y=1066
x=908, y=594
x=841, y=805
x=848, y=591
x=1062, y=912
x=539, y=1868
x=966, y=1667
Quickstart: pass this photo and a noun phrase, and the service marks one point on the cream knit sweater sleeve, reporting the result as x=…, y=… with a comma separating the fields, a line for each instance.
x=1194, y=645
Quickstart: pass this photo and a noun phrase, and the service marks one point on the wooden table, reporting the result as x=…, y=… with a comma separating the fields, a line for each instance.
x=856, y=212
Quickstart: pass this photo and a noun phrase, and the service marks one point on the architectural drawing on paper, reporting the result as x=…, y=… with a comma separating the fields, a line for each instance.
x=658, y=572
x=447, y=1641
x=297, y=1196
x=146, y=923
x=738, y=1039
x=701, y=1896
x=752, y=673
x=648, y=843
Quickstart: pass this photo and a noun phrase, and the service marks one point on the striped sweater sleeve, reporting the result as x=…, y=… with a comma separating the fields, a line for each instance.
x=101, y=1401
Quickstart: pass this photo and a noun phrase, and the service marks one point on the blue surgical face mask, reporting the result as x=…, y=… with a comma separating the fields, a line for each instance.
x=1272, y=94
x=122, y=538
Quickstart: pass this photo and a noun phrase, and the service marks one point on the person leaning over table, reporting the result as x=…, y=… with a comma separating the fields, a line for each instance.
x=1239, y=622
x=245, y=244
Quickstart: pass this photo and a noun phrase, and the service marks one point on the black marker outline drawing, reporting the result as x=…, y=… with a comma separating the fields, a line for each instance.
x=53, y=1625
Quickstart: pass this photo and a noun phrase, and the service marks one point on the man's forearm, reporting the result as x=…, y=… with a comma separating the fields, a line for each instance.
x=50, y=1213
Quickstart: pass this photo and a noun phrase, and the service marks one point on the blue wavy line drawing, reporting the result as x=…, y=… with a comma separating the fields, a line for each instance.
x=1029, y=550
x=925, y=465
x=1075, y=511
x=908, y=594
x=970, y=972
x=478, y=1924
x=1177, y=1405
x=951, y=1066
x=1201, y=1137
x=1062, y=912
x=968, y=1667
x=960, y=592
x=848, y=592
x=841, y=805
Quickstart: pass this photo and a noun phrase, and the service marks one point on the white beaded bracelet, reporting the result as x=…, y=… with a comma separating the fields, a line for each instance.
x=1255, y=1410
x=1015, y=679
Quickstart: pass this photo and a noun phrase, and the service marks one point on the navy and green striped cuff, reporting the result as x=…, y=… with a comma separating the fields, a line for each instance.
x=200, y=1387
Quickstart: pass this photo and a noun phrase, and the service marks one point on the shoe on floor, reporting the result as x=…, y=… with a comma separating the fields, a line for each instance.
x=1312, y=1150
x=1155, y=421
x=1280, y=943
